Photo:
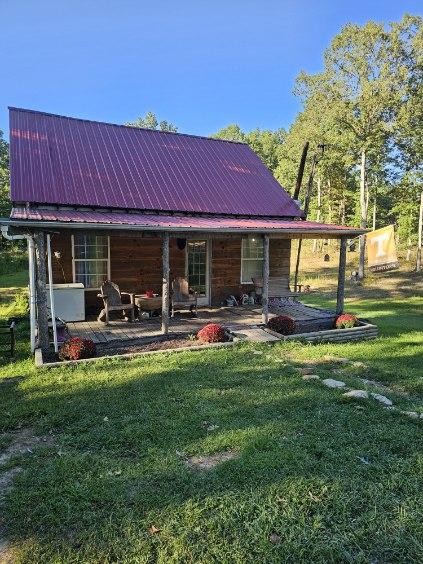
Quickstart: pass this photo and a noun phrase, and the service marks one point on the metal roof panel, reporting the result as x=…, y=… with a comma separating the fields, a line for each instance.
x=68, y=161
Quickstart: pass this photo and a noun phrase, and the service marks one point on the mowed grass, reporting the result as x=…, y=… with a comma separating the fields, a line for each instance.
x=316, y=478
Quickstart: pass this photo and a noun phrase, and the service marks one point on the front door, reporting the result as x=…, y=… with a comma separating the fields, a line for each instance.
x=197, y=266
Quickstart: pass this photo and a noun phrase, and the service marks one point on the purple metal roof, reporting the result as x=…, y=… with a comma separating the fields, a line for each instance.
x=176, y=222
x=67, y=161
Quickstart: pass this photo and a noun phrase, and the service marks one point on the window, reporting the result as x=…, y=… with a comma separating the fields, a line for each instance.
x=251, y=259
x=91, y=259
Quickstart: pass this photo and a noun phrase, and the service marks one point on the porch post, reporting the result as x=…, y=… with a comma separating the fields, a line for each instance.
x=42, y=309
x=341, y=276
x=265, y=294
x=165, y=288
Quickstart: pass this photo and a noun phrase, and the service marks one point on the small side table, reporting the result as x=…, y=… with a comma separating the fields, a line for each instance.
x=145, y=303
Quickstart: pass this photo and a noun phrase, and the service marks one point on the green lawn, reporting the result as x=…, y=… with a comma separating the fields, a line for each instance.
x=316, y=478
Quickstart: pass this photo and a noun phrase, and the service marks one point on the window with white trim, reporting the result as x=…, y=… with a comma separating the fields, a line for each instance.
x=91, y=259
x=251, y=259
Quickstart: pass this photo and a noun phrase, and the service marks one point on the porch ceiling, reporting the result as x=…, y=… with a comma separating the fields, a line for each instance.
x=103, y=219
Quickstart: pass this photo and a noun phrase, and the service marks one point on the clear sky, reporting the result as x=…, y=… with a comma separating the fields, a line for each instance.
x=200, y=64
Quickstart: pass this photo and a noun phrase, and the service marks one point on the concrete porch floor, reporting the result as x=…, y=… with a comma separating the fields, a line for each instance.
x=234, y=318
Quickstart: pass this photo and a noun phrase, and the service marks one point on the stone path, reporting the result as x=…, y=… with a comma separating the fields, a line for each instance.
x=307, y=375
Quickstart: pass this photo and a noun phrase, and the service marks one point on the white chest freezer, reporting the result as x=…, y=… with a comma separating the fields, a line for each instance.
x=69, y=301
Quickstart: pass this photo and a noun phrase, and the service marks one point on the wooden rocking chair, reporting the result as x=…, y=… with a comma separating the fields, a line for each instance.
x=112, y=300
x=181, y=296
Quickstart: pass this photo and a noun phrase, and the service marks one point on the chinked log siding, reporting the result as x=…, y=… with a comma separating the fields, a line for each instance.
x=136, y=264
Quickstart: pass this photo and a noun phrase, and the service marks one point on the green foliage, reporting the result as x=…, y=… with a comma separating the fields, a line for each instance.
x=150, y=121
x=4, y=178
x=266, y=143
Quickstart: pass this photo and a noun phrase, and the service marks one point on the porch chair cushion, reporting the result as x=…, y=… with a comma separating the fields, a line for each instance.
x=181, y=296
x=112, y=300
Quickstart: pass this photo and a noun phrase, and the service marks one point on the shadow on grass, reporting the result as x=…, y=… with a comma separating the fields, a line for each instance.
x=123, y=430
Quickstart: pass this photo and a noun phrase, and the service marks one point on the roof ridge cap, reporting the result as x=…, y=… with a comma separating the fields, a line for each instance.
x=30, y=111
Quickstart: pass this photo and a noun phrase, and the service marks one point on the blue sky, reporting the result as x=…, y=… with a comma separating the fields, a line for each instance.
x=200, y=64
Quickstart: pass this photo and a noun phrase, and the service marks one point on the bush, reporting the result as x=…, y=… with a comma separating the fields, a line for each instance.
x=76, y=348
x=345, y=321
x=282, y=324
x=212, y=333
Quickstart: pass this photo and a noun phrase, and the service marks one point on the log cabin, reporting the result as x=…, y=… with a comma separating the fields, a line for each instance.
x=100, y=201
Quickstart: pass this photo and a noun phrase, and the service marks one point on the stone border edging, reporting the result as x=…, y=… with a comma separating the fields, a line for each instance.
x=39, y=362
x=362, y=331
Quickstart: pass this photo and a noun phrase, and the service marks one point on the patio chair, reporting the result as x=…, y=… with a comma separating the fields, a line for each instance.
x=182, y=297
x=112, y=300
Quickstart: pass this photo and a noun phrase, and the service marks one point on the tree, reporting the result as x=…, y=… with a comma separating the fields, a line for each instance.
x=5, y=205
x=360, y=91
x=264, y=142
x=231, y=132
x=150, y=121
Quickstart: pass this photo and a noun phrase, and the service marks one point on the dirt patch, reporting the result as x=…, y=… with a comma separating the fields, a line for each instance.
x=23, y=441
x=208, y=462
x=158, y=343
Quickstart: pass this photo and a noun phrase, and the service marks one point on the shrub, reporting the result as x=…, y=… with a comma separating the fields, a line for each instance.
x=212, y=333
x=345, y=321
x=282, y=324
x=76, y=348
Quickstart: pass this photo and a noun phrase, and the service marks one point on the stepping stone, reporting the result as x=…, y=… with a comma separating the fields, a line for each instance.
x=305, y=371
x=381, y=399
x=357, y=394
x=359, y=365
x=331, y=383
x=412, y=414
x=310, y=377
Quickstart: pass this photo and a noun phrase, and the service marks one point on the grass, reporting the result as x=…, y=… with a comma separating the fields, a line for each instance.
x=332, y=480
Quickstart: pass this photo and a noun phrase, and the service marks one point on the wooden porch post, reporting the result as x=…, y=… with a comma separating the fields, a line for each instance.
x=42, y=309
x=341, y=276
x=166, y=284
x=265, y=295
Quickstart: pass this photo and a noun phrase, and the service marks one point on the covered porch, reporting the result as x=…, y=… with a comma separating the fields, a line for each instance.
x=147, y=237
x=245, y=320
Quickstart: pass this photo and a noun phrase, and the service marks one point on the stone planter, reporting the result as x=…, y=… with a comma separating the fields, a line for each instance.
x=362, y=332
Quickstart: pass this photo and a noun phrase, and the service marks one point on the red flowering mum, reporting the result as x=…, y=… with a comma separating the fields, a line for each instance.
x=76, y=348
x=345, y=321
x=282, y=324
x=212, y=333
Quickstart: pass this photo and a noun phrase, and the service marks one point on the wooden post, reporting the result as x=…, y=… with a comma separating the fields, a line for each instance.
x=419, y=241
x=340, y=295
x=265, y=295
x=319, y=207
x=42, y=309
x=166, y=284
x=363, y=214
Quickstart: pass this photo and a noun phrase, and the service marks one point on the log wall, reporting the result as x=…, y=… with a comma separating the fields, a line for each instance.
x=136, y=264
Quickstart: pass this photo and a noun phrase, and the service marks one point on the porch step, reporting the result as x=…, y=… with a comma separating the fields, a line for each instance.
x=255, y=334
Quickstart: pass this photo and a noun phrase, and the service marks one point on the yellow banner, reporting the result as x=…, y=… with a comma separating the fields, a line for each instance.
x=381, y=250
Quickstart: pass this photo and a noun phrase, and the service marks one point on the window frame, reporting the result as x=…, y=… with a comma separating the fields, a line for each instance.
x=74, y=260
x=243, y=258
